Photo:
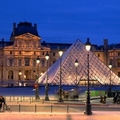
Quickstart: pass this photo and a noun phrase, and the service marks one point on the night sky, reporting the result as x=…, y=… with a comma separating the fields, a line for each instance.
x=64, y=21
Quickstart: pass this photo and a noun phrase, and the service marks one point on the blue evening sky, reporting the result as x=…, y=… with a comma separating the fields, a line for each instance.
x=64, y=21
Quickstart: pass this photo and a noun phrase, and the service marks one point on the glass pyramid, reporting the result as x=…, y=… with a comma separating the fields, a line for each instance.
x=98, y=71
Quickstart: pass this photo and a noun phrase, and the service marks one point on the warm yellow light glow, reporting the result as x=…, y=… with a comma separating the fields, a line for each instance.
x=20, y=73
x=47, y=56
x=76, y=63
x=24, y=76
x=38, y=60
x=110, y=66
x=60, y=53
x=88, y=45
x=41, y=73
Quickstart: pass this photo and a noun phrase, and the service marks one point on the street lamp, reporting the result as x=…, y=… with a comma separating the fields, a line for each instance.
x=76, y=65
x=60, y=85
x=88, y=105
x=36, y=82
x=110, y=66
x=20, y=73
x=47, y=86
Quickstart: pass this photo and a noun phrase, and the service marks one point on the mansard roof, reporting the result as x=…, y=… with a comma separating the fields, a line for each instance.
x=24, y=27
x=55, y=46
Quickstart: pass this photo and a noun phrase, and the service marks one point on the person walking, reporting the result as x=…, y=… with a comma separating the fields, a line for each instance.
x=2, y=101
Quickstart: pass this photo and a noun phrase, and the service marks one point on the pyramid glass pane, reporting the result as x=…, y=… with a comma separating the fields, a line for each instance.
x=97, y=69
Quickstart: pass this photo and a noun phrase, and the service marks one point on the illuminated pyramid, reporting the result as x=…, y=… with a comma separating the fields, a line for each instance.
x=98, y=71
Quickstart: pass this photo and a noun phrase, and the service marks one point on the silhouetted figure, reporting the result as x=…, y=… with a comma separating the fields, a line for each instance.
x=115, y=97
x=2, y=101
x=103, y=99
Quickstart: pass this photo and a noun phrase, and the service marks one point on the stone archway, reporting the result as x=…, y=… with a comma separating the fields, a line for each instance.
x=27, y=75
x=10, y=75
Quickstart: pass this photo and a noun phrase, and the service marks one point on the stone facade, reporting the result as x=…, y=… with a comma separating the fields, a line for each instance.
x=18, y=56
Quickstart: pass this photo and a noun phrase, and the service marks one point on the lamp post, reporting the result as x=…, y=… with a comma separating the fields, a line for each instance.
x=20, y=73
x=47, y=85
x=110, y=66
x=76, y=65
x=36, y=82
x=60, y=85
x=88, y=104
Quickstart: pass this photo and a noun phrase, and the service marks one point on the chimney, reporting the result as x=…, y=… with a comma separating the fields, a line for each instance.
x=14, y=26
x=106, y=44
x=35, y=26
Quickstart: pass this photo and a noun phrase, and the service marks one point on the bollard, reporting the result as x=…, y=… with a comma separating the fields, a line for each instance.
x=51, y=108
x=67, y=109
x=30, y=100
x=19, y=108
x=35, y=108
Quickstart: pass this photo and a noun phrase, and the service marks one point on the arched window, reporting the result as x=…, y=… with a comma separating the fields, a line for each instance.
x=10, y=75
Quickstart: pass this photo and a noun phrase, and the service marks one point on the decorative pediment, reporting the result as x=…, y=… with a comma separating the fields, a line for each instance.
x=27, y=36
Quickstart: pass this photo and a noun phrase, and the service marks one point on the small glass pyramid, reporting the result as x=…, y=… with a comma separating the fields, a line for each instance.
x=98, y=71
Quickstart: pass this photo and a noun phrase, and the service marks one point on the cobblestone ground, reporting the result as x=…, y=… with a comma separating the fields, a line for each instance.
x=43, y=116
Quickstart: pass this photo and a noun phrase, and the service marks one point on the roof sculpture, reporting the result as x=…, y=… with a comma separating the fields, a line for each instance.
x=97, y=69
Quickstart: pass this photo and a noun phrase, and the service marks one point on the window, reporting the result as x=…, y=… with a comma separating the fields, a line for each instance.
x=10, y=62
x=34, y=62
x=54, y=54
x=19, y=62
x=10, y=52
x=20, y=52
x=118, y=74
x=42, y=53
x=43, y=63
x=118, y=53
x=118, y=64
x=27, y=62
x=98, y=55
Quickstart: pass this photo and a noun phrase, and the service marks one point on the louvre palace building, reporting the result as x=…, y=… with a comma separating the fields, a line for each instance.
x=18, y=56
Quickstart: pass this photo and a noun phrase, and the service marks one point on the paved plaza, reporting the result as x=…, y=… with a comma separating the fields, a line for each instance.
x=97, y=115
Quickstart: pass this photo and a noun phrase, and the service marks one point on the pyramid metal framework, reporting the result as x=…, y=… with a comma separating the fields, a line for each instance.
x=98, y=71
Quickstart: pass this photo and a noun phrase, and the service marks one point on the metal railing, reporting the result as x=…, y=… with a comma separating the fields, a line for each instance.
x=47, y=108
